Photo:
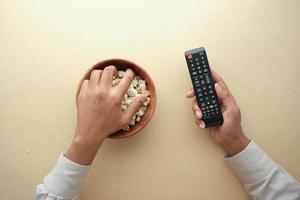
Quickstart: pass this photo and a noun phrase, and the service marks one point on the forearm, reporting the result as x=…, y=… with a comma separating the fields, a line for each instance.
x=65, y=179
x=63, y=182
x=262, y=178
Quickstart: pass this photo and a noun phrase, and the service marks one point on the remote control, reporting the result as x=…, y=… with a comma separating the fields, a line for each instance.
x=204, y=87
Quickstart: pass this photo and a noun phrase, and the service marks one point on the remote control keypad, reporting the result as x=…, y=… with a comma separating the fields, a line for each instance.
x=203, y=85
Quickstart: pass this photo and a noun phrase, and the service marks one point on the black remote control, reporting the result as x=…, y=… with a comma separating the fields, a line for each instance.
x=204, y=87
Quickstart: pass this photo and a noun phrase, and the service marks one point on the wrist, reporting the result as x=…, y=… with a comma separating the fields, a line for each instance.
x=236, y=145
x=82, y=152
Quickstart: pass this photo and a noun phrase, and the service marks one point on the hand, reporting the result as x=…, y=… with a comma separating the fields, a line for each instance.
x=99, y=113
x=230, y=135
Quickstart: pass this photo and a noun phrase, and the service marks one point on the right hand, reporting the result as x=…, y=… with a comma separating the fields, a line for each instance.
x=99, y=113
x=229, y=135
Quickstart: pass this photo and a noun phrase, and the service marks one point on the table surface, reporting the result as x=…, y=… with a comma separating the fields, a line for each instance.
x=46, y=46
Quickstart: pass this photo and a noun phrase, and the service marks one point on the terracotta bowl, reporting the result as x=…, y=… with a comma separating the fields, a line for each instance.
x=121, y=64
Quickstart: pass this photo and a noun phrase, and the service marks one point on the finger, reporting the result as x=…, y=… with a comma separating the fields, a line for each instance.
x=200, y=123
x=84, y=87
x=125, y=82
x=190, y=93
x=133, y=108
x=216, y=76
x=195, y=106
x=196, y=109
x=95, y=77
x=106, y=77
x=224, y=95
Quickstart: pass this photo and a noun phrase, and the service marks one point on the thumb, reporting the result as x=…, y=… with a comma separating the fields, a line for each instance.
x=133, y=108
x=224, y=94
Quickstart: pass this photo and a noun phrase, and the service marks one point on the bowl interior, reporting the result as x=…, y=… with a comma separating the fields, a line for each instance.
x=121, y=64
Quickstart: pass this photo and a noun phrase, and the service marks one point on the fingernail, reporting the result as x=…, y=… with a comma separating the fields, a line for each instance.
x=130, y=70
x=198, y=114
x=143, y=98
x=202, y=125
x=218, y=86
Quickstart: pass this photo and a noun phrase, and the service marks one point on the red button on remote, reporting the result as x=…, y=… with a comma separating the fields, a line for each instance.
x=190, y=56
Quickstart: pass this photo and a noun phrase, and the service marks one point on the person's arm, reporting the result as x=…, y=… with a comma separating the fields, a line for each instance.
x=99, y=114
x=262, y=178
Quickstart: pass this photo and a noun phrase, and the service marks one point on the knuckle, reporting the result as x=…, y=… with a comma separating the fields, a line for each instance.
x=101, y=94
x=115, y=97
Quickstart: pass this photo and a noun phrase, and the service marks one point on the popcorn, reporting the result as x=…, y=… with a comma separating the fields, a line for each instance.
x=134, y=83
x=146, y=102
x=115, y=82
x=121, y=74
x=128, y=101
x=126, y=128
x=124, y=107
x=137, y=87
x=138, y=118
x=132, y=92
x=142, y=84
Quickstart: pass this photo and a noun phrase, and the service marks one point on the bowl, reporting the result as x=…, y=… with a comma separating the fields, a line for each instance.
x=122, y=64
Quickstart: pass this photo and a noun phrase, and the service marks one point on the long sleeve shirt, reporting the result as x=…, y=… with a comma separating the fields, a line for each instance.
x=262, y=178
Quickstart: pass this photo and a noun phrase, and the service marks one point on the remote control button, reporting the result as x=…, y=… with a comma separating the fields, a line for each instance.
x=190, y=56
x=202, y=104
x=207, y=78
x=205, y=70
x=194, y=73
x=203, y=62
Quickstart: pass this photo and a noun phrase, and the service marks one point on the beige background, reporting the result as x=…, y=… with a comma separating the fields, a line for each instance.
x=45, y=47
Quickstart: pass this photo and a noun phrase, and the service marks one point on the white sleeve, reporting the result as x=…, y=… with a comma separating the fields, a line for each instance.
x=263, y=179
x=63, y=182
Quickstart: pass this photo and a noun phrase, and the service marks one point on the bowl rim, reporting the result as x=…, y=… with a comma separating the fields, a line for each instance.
x=153, y=100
